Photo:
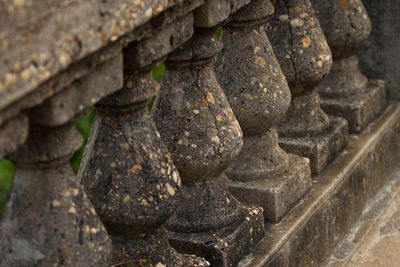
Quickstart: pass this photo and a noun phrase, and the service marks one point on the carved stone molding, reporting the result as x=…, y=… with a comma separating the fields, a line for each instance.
x=305, y=59
x=346, y=92
x=197, y=124
x=257, y=90
x=61, y=227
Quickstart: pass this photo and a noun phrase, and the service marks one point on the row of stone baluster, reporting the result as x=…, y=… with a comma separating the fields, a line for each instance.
x=192, y=182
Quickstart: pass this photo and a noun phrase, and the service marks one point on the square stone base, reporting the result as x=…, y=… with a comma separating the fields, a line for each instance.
x=320, y=149
x=226, y=246
x=359, y=110
x=314, y=227
x=278, y=195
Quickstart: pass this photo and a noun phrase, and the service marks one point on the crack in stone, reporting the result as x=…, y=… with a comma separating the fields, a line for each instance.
x=291, y=37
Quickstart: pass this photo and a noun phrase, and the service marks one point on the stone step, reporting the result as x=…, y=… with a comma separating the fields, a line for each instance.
x=374, y=240
x=311, y=231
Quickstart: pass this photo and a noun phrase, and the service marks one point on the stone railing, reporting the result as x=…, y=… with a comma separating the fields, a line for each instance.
x=193, y=182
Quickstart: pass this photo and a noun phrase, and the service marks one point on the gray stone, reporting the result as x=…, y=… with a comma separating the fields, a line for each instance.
x=276, y=195
x=48, y=219
x=259, y=95
x=41, y=39
x=305, y=59
x=237, y=4
x=379, y=54
x=311, y=231
x=129, y=176
x=38, y=61
x=321, y=149
x=12, y=134
x=59, y=82
x=81, y=94
x=346, y=92
x=143, y=52
x=361, y=109
x=198, y=125
x=211, y=13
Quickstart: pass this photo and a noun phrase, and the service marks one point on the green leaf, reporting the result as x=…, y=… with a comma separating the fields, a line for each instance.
x=7, y=171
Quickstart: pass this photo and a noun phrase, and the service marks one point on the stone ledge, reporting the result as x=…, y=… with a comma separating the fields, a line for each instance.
x=70, y=32
x=308, y=235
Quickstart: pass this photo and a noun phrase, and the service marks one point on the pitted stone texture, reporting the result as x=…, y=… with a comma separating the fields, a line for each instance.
x=144, y=52
x=40, y=40
x=346, y=24
x=129, y=176
x=305, y=58
x=320, y=140
x=320, y=149
x=227, y=246
x=59, y=82
x=237, y=4
x=48, y=219
x=359, y=110
x=193, y=114
x=259, y=94
x=211, y=13
x=311, y=231
x=12, y=134
x=304, y=117
x=299, y=44
x=81, y=94
x=276, y=194
x=198, y=125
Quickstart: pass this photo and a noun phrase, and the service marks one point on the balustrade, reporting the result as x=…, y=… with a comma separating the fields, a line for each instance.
x=192, y=182
x=127, y=172
x=346, y=92
x=49, y=219
x=259, y=95
x=305, y=59
x=197, y=124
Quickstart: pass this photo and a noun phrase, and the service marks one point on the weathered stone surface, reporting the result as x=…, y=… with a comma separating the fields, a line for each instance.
x=61, y=81
x=276, y=194
x=212, y=13
x=320, y=150
x=197, y=124
x=359, y=110
x=129, y=176
x=81, y=94
x=373, y=240
x=144, y=52
x=41, y=39
x=346, y=25
x=48, y=219
x=379, y=54
x=12, y=134
x=237, y=4
x=305, y=58
x=259, y=95
x=26, y=94
x=308, y=235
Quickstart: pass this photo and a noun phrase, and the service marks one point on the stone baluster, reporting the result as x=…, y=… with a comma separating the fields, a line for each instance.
x=49, y=220
x=257, y=90
x=346, y=92
x=61, y=227
x=198, y=125
x=305, y=59
x=127, y=172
